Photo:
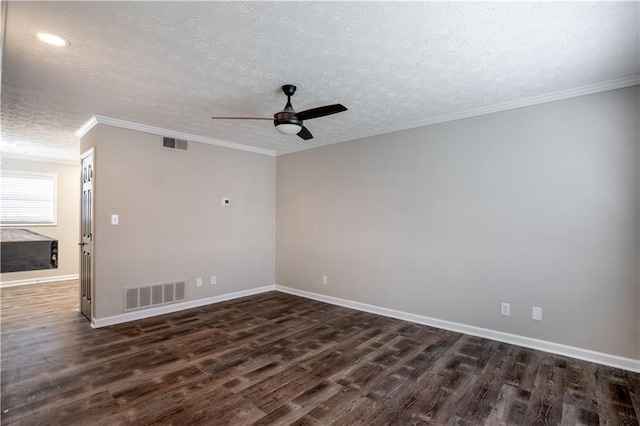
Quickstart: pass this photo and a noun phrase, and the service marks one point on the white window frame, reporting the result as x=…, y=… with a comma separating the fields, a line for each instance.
x=6, y=173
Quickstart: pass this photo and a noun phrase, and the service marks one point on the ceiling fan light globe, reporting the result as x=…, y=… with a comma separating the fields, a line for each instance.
x=288, y=128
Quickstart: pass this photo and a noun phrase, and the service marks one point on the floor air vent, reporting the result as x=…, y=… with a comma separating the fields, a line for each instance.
x=154, y=295
x=172, y=143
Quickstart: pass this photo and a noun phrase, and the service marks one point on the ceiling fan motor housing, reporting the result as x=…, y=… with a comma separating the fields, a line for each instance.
x=287, y=115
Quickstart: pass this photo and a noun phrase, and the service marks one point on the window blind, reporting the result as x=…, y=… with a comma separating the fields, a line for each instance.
x=27, y=198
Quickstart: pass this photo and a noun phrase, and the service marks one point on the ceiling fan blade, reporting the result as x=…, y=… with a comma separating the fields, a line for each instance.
x=242, y=118
x=320, y=111
x=305, y=134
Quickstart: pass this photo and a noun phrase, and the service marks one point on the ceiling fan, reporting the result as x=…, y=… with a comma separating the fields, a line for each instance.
x=288, y=121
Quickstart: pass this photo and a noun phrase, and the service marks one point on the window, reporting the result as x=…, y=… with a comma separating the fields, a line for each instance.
x=28, y=198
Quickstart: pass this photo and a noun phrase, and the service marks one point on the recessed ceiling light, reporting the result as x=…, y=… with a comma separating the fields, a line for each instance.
x=53, y=40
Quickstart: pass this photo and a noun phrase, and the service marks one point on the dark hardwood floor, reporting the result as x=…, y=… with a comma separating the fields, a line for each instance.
x=281, y=359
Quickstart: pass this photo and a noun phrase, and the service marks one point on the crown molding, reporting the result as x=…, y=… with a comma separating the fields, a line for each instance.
x=505, y=106
x=100, y=119
x=26, y=157
x=88, y=125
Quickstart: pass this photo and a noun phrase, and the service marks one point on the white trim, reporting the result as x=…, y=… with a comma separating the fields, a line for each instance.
x=161, y=310
x=99, y=119
x=86, y=154
x=42, y=280
x=26, y=157
x=528, y=342
x=88, y=125
x=535, y=100
x=505, y=106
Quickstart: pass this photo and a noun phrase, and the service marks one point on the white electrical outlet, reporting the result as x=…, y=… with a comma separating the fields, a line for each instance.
x=115, y=219
x=199, y=282
x=214, y=280
x=536, y=313
x=505, y=309
x=324, y=279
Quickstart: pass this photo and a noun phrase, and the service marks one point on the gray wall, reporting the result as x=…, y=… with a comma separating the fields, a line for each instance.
x=536, y=206
x=172, y=223
x=66, y=231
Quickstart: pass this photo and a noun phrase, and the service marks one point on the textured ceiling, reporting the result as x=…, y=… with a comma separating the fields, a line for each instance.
x=175, y=64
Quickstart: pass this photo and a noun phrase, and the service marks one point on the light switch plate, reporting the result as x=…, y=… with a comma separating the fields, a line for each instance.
x=115, y=219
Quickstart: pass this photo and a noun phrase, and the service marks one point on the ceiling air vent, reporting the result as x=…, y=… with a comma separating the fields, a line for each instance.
x=171, y=143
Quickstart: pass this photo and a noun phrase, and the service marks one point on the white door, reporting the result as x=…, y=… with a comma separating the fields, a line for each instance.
x=86, y=235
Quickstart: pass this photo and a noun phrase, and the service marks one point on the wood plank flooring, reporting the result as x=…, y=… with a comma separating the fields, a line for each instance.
x=276, y=359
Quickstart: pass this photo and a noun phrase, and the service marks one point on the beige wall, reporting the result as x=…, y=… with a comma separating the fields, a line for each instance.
x=537, y=206
x=172, y=223
x=67, y=229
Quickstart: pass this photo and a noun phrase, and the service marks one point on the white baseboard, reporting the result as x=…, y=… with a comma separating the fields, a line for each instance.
x=528, y=342
x=167, y=309
x=42, y=280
